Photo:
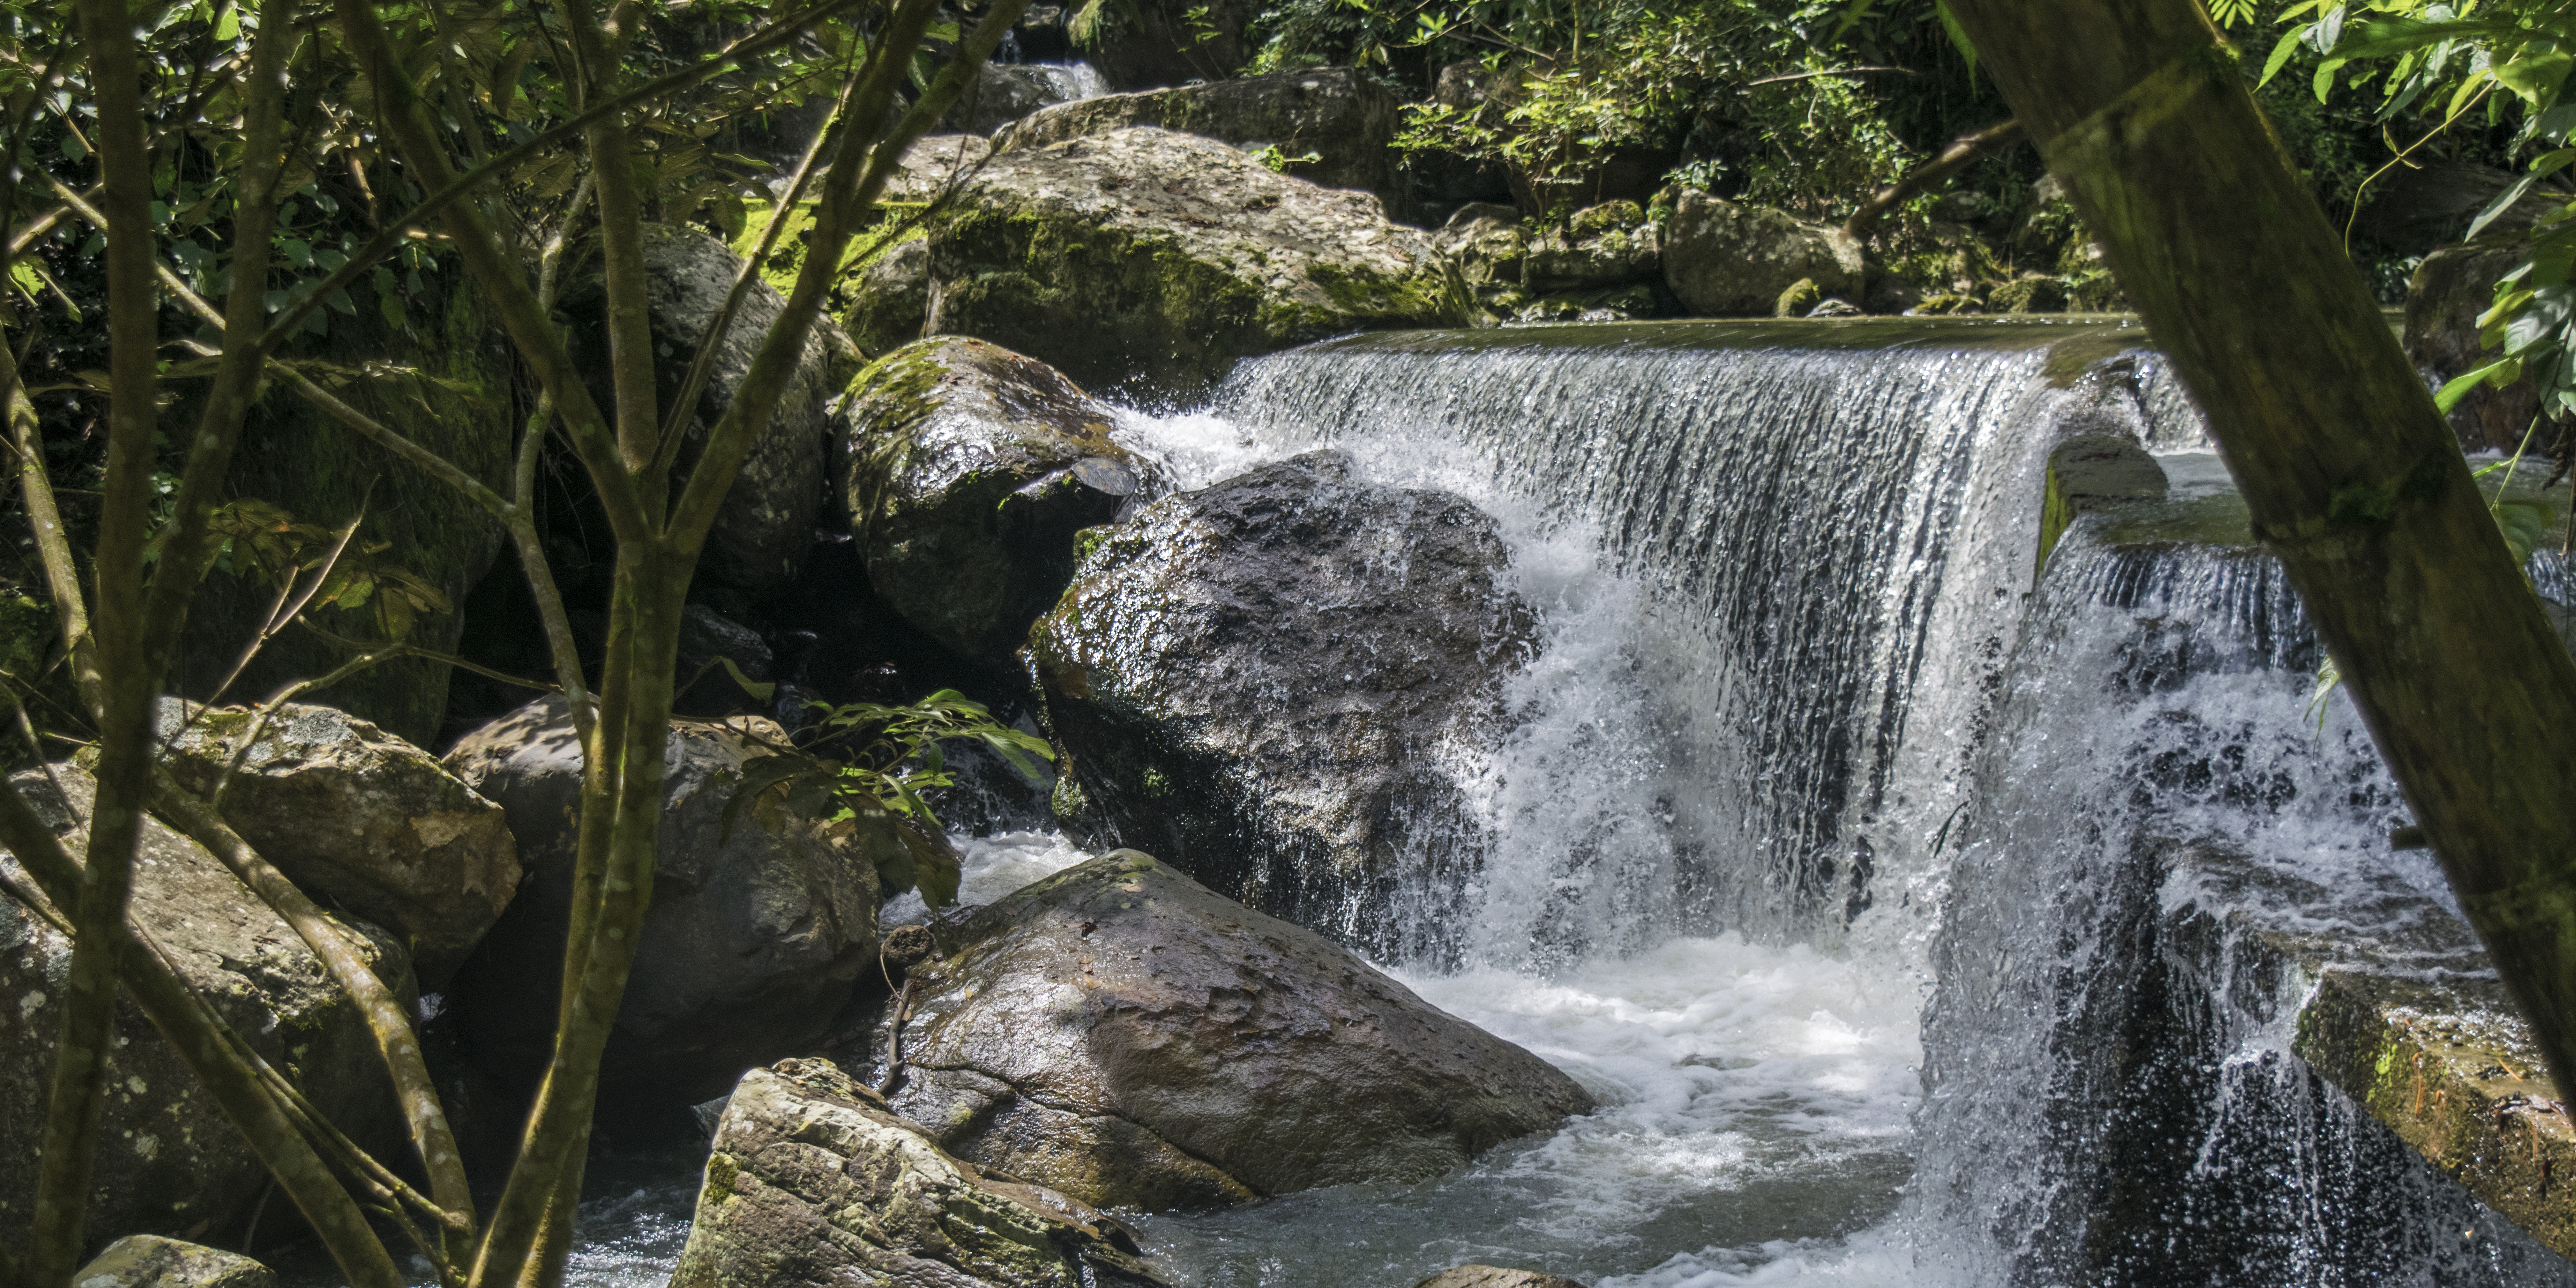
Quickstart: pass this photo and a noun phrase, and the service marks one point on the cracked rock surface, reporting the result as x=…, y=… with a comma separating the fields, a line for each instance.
x=811, y=1181
x=1121, y=1033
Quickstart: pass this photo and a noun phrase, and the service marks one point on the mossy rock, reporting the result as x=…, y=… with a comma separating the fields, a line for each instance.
x=812, y=1181
x=1146, y=259
x=291, y=454
x=1947, y=306
x=1802, y=296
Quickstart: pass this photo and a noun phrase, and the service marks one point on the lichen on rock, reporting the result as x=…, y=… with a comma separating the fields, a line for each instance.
x=1147, y=255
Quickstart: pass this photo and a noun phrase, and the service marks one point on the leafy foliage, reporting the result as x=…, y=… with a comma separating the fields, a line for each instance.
x=864, y=766
x=2510, y=58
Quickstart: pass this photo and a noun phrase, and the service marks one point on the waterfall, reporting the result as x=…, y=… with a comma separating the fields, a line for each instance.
x=2172, y=836
x=1918, y=912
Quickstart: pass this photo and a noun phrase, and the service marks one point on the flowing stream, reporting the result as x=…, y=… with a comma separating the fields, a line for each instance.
x=1805, y=756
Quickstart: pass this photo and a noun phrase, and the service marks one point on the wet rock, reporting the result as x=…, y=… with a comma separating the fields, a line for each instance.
x=2451, y=289
x=361, y=821
x=1343, y=120
x=1007, y=92
x=893, y=301
x=755, y=937
x=149, y=1261
x=1722, y=259
x=168, y=1159
x=1495, y=1277
x=1158, y=258
x=708, y=639
x=1834, y=309
x=812, y=1181
x=1253, y=680
x=768, y=517
x=969, y=469
x=1125, y=1035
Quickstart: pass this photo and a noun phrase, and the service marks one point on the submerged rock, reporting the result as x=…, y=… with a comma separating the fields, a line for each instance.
x=968, y=471
x=1255, y=679
x=149, y=1261
x=754, y=939
x=360, y=820
x=812, y=1182
x=1342, y=120
x=1125, y=1035
x=1724, y=259
x=168, y=1159
x=1146, y=254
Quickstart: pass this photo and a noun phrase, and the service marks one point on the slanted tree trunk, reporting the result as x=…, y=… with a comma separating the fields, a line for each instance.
x=2352, y=477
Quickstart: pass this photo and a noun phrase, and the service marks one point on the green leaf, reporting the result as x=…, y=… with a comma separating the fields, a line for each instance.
x=228, y=23
x=761, y=691
x=2458, y=387
x=759, y=776
x=2525, y=525
x=934, y=864
x=2281, y=54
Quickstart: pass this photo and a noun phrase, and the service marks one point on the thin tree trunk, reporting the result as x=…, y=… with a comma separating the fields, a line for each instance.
x=1953, y=159
x=2352, y=477
x=78, y=1093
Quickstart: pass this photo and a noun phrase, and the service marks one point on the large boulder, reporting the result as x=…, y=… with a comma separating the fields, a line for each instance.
x=813, y=1182
x=1254, y=680
x=969, y=470
x=933, y=164
x=892, y=302
x=1342, y=119
x=168, y=1159
x=757, y=934
x=1148, y=44
x=1125, y=1035
x=767, y=519
x=1722, y=259
x=360, y=820
x=1007, y=92
x=1147, y=255
x=2451, y=289
x=150, y=1261
x=440, y=373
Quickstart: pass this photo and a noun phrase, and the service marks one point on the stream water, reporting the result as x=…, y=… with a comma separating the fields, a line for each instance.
x=1784, y=776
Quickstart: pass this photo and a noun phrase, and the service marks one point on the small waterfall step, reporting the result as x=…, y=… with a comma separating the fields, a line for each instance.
x=2275, y=1053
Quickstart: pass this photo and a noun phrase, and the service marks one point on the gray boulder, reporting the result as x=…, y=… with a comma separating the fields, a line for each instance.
x=754, y=938
x=1495, y=1277
x=933, y=164
x=1007, y=92
x=1160, y=257
x=1253, y=680
x=360, y=820
x=812, y=1181
x=1722, y=259
x=767, y=520
x=168, y=1159
x=969, y=470
x=1131, y=1038
x=150, y=1261
x=2450, y=290
x=893, y=300
x=1342, y=119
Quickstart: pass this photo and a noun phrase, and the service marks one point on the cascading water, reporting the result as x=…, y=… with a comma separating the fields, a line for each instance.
x=1783, y=752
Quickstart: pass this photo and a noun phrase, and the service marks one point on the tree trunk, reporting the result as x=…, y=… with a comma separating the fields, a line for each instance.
x=2352, y=477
